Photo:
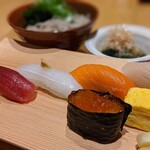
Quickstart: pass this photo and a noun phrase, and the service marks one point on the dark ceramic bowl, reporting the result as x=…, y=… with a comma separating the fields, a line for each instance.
x=71, y=39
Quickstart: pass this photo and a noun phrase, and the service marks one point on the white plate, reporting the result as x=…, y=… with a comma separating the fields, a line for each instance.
x=141, y=38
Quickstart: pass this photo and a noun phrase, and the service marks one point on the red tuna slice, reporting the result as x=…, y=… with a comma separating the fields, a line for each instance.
x=15, y=87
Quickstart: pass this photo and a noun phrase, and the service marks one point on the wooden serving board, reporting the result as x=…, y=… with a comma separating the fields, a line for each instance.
x=42, y=124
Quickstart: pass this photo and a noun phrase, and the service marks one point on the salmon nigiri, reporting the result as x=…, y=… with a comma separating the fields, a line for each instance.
x=103, y=78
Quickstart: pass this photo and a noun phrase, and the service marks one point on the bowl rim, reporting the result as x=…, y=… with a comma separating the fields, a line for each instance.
x=90, y=43
x=95, y=9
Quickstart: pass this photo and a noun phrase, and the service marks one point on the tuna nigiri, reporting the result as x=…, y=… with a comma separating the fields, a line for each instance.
x=102, y=78
x=15, y=87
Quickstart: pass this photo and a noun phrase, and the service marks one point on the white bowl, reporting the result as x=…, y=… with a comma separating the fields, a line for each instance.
x=141, y=38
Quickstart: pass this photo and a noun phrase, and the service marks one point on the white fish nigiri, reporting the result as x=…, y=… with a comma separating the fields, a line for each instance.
x=56, y=81
x=139, y=73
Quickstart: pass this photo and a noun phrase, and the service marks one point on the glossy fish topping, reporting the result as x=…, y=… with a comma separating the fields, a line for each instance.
x=90, y=101
x=16, y=87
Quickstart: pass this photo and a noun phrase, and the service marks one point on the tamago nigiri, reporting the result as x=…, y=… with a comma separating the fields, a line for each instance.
x=102, y=78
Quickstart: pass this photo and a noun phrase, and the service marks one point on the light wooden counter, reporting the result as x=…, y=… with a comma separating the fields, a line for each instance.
x=110, y=12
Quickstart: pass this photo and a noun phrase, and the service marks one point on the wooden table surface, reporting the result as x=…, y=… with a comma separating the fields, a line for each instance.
x=110, y=12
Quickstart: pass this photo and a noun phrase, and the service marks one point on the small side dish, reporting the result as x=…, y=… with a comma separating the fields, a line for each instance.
x=121, y=41
x=96, y=116
x=54, y=23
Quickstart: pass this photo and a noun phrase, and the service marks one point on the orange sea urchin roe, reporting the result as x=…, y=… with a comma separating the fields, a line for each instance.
x=91, y=101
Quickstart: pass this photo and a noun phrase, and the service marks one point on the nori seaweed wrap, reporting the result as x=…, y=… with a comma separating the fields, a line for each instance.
x=96, y=116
